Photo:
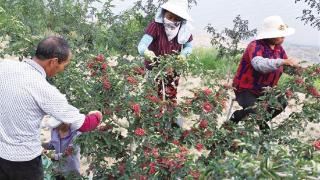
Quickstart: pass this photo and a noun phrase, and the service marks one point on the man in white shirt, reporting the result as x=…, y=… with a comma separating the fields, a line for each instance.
x=25, y=98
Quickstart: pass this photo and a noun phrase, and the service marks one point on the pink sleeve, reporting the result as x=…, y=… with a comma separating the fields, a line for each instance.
x=91, y=122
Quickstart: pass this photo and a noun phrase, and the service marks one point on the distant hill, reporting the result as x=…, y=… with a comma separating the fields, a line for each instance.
x=300, y=52
x=304, y=53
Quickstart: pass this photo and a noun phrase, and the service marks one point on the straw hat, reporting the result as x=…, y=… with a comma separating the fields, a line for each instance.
x=178, y=7
x=274, y=27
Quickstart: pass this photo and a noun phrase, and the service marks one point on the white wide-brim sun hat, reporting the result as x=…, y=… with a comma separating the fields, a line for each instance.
x=178, y=7
x=274, y=27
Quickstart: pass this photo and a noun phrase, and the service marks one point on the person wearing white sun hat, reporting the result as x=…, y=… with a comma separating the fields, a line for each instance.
x=261, y=66
x=274, y=27
x=169, y=33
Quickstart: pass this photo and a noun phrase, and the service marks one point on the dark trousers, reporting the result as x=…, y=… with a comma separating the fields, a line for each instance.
x=247, y=99
x=26, y=170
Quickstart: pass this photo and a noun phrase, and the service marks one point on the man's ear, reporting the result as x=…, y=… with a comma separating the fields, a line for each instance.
x=53, y=62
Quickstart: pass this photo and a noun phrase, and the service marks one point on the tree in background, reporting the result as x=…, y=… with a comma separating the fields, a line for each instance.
x=228, y=41
x=312, y=14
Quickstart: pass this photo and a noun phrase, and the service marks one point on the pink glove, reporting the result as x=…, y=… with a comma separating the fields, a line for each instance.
x=91, y=122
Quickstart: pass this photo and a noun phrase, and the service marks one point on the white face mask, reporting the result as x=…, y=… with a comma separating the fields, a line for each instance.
x=171, y=28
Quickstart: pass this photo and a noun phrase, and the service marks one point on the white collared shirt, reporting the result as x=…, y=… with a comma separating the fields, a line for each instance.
x=25, y=97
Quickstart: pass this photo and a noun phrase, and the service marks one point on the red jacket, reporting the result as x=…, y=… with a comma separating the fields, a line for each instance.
x=247, y=78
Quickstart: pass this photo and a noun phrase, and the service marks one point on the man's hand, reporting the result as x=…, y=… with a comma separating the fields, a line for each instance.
x=149, y=54
x=97, y=113
x=290, y=62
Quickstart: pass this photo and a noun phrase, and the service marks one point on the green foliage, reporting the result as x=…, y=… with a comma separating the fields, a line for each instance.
x=116, y=91
x=228, y=40
x=126, y=32
x=167, y=151
x=210, y=60
x=37, y=19
x=277, y=162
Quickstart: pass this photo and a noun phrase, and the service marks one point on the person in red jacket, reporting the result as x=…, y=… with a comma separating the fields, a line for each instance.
x=261, y=66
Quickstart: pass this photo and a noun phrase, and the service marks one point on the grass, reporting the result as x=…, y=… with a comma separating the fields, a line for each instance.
x=208, y=56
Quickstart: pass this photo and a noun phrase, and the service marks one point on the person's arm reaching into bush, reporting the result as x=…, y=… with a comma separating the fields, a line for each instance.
x=143, y=47
x=55, y=104
x=266, y=65
x=91, y=121
x=187, y=49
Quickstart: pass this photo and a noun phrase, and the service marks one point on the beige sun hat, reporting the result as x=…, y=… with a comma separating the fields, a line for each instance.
x=178, y=7
x=273, y=27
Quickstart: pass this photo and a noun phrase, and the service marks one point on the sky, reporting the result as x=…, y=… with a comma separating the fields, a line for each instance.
x=220, y=14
